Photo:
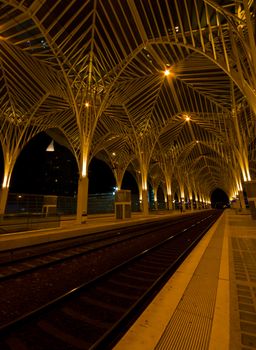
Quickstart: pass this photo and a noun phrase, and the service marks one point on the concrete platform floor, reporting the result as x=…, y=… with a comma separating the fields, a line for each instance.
x=210, y=302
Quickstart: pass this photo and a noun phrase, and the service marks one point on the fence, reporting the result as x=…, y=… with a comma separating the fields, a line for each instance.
x=102, y=203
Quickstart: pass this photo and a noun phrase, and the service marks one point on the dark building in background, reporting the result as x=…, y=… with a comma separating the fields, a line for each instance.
x=59, y=169
x=38, y=171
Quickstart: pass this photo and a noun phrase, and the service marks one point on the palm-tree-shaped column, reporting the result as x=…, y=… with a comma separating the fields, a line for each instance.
x=119, y=163
x=189, y=187
x=155, y=184
x=134, y=169
x=15, y=132
x=10, y=155
x=180, y=179
x=240, y=146
x=239, y=143
x=235, y=182
x=143, y=141
x=141, y=173
x=144, y=166
x=20, y=104
x=145, y=148
x=167, y=164
x=197, y=193
x=88, y=114
x=194, y=193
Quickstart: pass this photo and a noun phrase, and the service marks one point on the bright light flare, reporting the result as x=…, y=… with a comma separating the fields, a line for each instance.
x=6, y=181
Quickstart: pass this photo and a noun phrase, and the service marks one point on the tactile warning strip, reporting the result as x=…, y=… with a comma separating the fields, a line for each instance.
x=244, y=270
x=191, y=323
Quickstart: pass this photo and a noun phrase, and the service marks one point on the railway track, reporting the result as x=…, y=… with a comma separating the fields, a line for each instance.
x=94, y=315
x=14, y=263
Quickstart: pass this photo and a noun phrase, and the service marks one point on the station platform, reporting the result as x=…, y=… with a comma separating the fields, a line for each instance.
x=210, y=302
x=70, y=228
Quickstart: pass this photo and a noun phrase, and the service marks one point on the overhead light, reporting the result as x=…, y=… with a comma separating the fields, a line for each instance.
x=187, y=117
x=87, y=104
x=167, y=72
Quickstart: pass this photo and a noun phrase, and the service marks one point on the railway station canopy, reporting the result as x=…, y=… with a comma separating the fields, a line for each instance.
x=165, y=89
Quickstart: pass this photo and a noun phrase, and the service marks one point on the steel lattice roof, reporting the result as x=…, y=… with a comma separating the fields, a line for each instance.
x=94, y=70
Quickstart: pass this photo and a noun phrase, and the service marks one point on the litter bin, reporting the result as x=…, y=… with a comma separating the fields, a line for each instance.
x=123, y=204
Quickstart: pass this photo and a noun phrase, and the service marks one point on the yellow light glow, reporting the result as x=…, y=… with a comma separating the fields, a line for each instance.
x=113, y=153
x=144, y=185
x=6, y=182
x=187, y=118
x=84, y=167
x=87, y=104
x=239, y=185
x=167, y=72
x=244, y=175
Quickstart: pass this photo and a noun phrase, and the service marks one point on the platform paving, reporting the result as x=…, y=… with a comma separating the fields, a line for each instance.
x=210, y=302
